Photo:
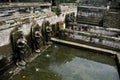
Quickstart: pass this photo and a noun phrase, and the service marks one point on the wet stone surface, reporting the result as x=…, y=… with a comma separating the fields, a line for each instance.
x=67, y=63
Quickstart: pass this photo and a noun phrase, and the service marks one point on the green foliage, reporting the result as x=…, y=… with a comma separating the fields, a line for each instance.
x=118, y=0
x=56, y=10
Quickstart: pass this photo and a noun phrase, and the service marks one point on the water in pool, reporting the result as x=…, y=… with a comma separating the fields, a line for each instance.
x=66, y=63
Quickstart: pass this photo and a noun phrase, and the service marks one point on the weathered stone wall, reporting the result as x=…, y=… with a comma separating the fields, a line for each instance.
x=26, y=24
x=112, y=20
x=91, y=15
x=97, y=40
x=5, y=40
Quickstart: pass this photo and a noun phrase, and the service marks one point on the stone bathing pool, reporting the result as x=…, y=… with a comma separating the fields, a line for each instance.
x=61, y=62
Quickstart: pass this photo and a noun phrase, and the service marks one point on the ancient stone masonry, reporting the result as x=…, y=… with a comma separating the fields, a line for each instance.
x=91, y=15
x=93, y=2
x=47, y=32
x=97, y=24
x=20, y=47
x=23, y=42
x=112, y=20
x=25, y=33
x=36, y=37
x=70, y=18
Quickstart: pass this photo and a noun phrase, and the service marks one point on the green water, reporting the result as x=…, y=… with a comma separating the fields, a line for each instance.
x=67, y=63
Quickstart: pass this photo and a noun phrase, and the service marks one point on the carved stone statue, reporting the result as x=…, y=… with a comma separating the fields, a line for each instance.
x=48, y=31
x=37, y=40
x=21, y=45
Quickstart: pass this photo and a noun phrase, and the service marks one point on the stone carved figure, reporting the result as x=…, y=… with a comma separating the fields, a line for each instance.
x=37, y=39
x=72, y=17
x=48, y=33
x=22, y=46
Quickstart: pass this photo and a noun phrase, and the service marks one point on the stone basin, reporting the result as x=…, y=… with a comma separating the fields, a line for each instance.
x=61, y=62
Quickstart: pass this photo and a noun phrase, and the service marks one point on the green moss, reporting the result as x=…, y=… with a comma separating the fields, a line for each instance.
x=2, y=22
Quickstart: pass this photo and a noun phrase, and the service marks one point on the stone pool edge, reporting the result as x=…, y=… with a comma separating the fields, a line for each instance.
x=105, y=51
x=75, y=44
